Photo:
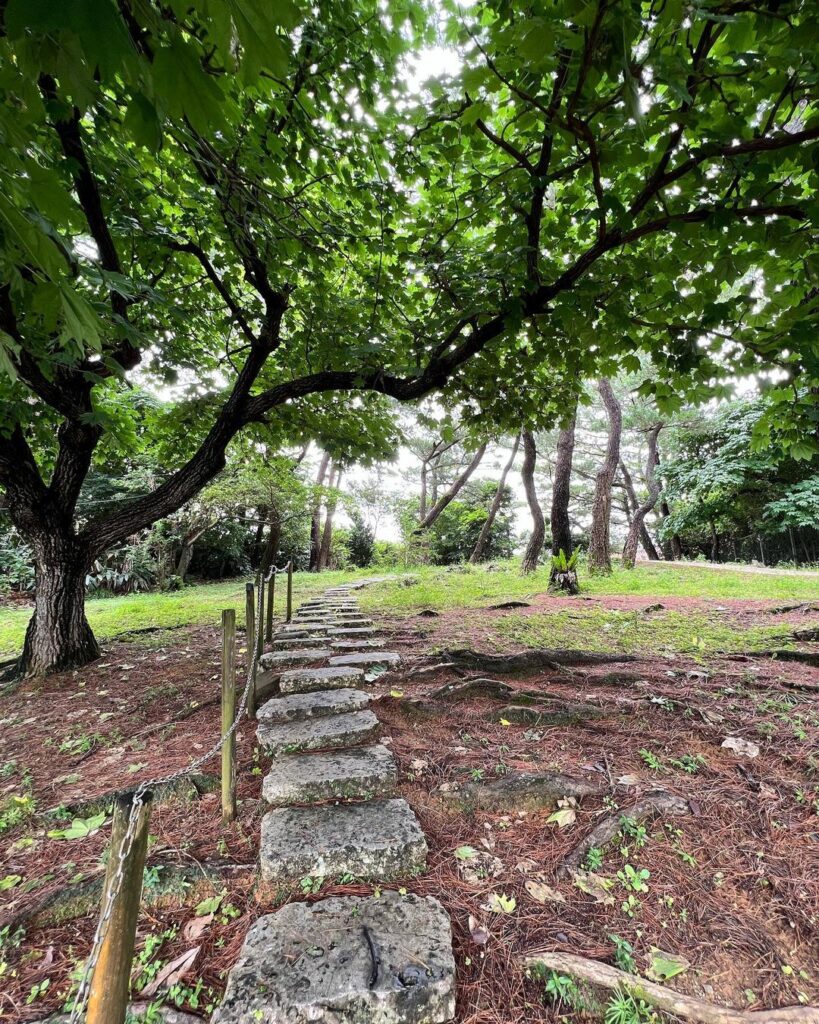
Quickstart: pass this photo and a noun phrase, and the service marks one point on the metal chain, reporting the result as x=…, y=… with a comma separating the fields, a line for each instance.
x=137, y=802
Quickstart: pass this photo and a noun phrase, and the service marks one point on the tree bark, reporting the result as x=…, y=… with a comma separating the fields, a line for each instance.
x=561, y=490
x=632, y=503
x=453, y=491
x=641, y=511
x=535, y=545
x=599, y=542
x=58, y=636
x=315, y=518
x=486, y=529
x=327, y=535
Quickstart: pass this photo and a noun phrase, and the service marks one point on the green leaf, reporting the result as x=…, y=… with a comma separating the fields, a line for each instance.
x=79, y=827
x=142, y=123
x=210, y=905
x=186, y=88
x=663, y=966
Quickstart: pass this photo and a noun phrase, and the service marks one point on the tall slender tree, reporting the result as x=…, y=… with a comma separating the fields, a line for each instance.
x=531, y=556
x=486, y=529
x=561, y=495
x=599, y=535
x=641, y=511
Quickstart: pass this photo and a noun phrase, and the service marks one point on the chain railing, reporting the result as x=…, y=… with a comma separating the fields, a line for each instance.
x=99, y=1007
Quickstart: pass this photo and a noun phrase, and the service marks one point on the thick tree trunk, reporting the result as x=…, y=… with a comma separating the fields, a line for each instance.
x=452, y=493
x=315, y=518
x=641, y=511
x=185, y=556
x=327, y=535
x=58, y=636
x=599, y=545
x=535, y=546
x=560, y=579
x=486, y=529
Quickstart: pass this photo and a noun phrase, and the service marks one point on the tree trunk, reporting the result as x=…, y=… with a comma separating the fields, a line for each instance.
x=714, y=542
x=486, y=529
x=327, y=535
x=58, y=636
x=535, y=545
x=315, y=518
x=641, y=511
x=599, y=545
x=422, y=505
x=452, y=493
x=669, y=552
x=633, y=504
x=561, y=490
x=185, y=556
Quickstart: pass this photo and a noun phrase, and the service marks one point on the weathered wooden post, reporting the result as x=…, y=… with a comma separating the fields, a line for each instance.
x=228, y=714
x=250, y=627
x=271, y=594
x=260, y=637
x=110, y=982
x=289, y=590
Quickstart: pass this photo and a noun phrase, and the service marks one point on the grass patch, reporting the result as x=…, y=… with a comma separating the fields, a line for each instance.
x=194, y=606
x=473, y=587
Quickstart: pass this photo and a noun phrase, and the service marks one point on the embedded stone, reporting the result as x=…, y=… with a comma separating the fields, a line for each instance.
x=353, y=631
x=367, y=658
x=313, y=964
x=354, y=645
x=306, y=680
x=324, y=732
x=343, y=775
x=296, y=707
x=293, y=643
x=378, y=840
x=279, y=659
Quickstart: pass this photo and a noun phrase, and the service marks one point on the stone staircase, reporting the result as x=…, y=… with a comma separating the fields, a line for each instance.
x=381, y=959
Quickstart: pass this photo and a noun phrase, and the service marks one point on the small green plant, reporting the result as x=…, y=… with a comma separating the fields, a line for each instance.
x=560, y=988
x=634, y=879
x=689, y=763
x=594, y=859
x=562, y=564
x=310, y=885
x=624, y=954
x=623, y=1008
x=652, y=761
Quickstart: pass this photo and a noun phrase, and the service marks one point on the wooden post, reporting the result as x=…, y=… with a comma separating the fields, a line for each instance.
x=250, y=627
x=271, y=594
x=260, y=637
x=289, y=590
x=110, y=984
x=228, y=714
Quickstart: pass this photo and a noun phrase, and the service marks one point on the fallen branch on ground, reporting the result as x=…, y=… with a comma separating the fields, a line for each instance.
x=531, y=661
x=644, y=810
x=600, y=975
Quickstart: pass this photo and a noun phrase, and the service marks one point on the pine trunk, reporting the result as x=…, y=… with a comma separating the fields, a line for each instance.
x=531, y=556
x=315, y=518
x=327, y=534
x=638, y=527
x=599, y=543
x=486, y=529
x=58, y=636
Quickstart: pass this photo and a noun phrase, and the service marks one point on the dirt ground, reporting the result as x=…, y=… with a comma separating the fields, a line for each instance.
x=732, y=888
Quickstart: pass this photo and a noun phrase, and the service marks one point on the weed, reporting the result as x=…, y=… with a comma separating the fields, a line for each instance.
x=689, y=763
x=624, y=954
x=594, y=859
x=310, y=886
x=652, y=760
x=624, y=1008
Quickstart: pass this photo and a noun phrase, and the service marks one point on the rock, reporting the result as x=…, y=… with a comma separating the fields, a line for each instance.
x=354, y=645
x=370, y=658
x=519, y=792
x=378, y=840
x=746, y=748
x=326, y=732
x=298, y=706
x=279, y=659
x=293, y=643
x=310, y=778
x=313, y=964
x=353, y=631
x=292, y=632
x=305, y=680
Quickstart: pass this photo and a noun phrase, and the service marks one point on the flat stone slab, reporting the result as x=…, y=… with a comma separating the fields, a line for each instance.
x=279, y=659
x=312, y=964
x=353, y=631
x=306, y=680
x=377, y=840
x=343, y=775
x=296, y=707
x=324, y=732
x=354, y=645
x=294, y=643
x=367, y=658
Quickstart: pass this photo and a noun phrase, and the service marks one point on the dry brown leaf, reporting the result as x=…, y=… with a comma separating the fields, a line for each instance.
x=542, y=893
x=195, y=927
x=172, y=972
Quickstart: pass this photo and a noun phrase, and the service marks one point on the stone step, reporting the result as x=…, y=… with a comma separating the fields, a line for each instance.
x=378, y=840
x=342, y=775
x=324, y=733
x=307, y=680
x=281, y=659
x=294, y=643
x=353, y=645
x=311, y=963
x=368, y=658
x=297, y=707
x=347, y=632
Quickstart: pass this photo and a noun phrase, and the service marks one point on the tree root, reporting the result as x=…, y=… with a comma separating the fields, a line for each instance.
x=649, y=807
x=531, y=661
x=188, y=787
x=551, y=712
x=508, y=604
x=519, y=792
x=603, y=976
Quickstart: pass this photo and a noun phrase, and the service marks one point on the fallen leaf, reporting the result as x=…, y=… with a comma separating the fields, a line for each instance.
x=210, y=905
x=542, y=893
x=79, y=827
x=500, y=903
x=628, y=780
x=663, y=966
x=195, y=927
x=595, y=886
x=562, y=818
x=478, y=933
x=172, y=972
x=740, y=746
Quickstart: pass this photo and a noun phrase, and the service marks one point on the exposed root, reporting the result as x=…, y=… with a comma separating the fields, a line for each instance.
x=532, y=661
x=600, y=975
x=519, y=792
x=551, y=712
x=649, y=807
x=189, y=786
x=509, y=604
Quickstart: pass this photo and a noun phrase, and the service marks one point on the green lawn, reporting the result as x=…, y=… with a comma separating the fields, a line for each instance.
x=412, y=590
x=438, y=588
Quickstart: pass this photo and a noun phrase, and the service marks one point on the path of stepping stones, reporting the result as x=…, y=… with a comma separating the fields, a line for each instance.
x=383, y=959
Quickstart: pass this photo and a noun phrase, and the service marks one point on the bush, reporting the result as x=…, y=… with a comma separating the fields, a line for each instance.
x=16, y=565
